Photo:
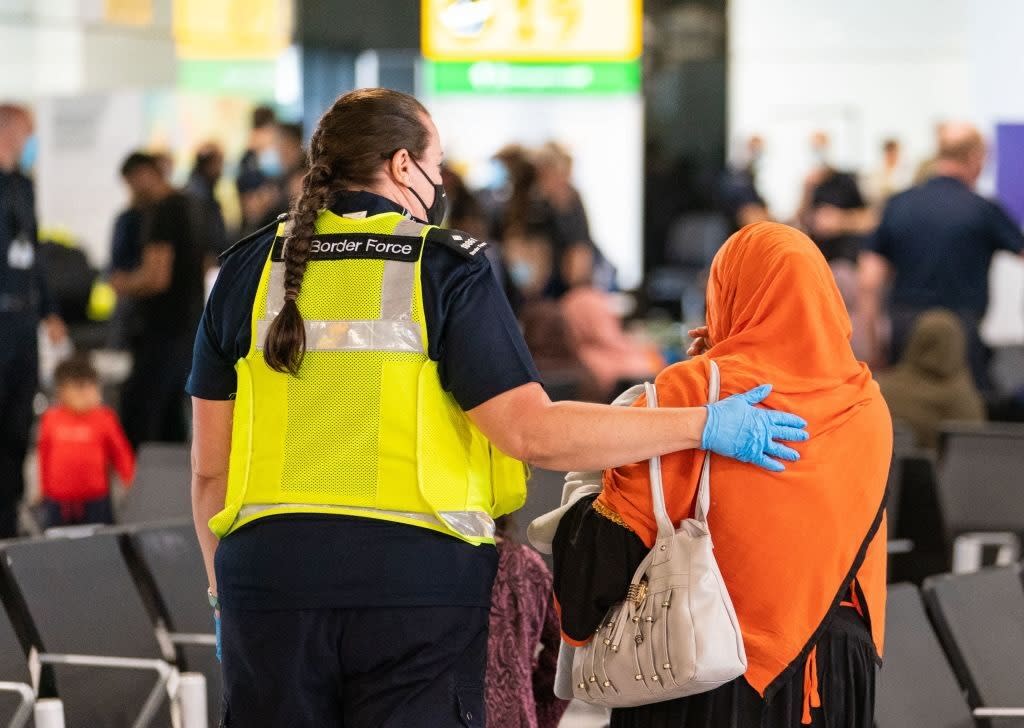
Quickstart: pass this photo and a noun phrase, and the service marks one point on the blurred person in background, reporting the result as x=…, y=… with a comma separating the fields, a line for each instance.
x=926, y=168
x=529, y=257
x=165, y=163
x=525, y=230
x=293, y=186
x=465, y=212
x=739, y=199
x=259, y=197
x=290, y=149
x=523, y=640
x=892, y=175
x=833, y=212
x=614, y=359
x=935, y=245
x=167, y=288
x=25, y=300
x=577, y=259
x=126, y=246
x=515, y=207
x=261, y=153
x=202, y=185
x=932, y=382
x=80, y=442
x=498, y=186
x=294, y=165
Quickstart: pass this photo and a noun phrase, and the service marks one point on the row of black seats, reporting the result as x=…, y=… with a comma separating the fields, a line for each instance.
x=953, y=659
x=943, y=507
x=113, y=618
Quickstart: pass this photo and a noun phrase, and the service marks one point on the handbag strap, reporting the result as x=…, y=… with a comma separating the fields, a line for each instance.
x=703, y=507
x=665, y=526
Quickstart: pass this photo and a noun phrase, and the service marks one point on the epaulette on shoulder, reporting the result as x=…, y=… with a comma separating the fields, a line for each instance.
x=253, y=236
x=458, y=242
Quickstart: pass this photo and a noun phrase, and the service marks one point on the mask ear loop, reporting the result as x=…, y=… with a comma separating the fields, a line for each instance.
x=426, y=207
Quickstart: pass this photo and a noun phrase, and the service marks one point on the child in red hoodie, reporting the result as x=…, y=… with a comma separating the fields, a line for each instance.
x=79, y=441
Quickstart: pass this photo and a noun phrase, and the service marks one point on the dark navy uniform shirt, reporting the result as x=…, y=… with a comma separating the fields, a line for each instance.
x=23, y=288
x=940, y=238
x=314, y=561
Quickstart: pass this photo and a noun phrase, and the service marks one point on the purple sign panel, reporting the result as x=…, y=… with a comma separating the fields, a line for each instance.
x=1010, y=169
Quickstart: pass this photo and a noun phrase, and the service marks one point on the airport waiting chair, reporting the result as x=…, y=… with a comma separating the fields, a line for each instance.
x=91, y=627
x=981, y=491
x=162, y=490
x=903, y=446
x=979, y=618
x=917, y=523
x=170, y=556
x=17, y=695
x=916, y=685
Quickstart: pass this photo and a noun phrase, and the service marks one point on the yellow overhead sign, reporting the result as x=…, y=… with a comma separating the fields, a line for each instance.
x=227, y=29
x=532, y=30
x=128, y=12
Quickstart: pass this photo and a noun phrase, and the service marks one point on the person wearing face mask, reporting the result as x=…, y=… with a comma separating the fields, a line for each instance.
x=260, y=151
x=363, y=401
x=833, y=212
x=24, y=300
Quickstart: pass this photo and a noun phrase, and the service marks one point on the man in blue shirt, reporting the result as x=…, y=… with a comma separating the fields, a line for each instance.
x=935, y=244
x=24, y=300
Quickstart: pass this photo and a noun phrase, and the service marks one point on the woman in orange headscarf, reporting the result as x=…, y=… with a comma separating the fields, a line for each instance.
x=802, y=553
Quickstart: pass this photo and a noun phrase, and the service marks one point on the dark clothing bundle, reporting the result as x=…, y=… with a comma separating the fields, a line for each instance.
x=932, y=383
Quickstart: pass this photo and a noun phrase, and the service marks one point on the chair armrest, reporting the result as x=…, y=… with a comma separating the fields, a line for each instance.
x=28, y=697
x=192, y=638
x=156, y=696
x=999, y=712
x=900, y=546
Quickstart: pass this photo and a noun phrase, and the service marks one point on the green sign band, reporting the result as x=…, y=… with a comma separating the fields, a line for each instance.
x=505, y=77
x=255, y=78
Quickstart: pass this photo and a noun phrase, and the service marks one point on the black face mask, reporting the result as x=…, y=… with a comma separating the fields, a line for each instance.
x=438, y=209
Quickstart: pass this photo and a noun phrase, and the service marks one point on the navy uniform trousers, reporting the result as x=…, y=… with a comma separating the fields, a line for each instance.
x=387, y=667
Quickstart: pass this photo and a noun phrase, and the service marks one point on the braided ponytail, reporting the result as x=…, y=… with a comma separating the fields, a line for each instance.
x=285, y=345
x=360, y=130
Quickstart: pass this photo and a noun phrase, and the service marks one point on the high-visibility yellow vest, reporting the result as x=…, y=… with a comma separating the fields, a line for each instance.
x=365, y=429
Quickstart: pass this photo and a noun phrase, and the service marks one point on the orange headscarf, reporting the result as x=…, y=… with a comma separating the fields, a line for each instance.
x=788, y=544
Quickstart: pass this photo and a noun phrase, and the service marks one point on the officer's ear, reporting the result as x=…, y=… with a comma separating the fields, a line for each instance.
x=400, y=167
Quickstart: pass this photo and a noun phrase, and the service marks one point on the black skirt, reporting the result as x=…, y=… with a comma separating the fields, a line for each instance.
x=594, y=560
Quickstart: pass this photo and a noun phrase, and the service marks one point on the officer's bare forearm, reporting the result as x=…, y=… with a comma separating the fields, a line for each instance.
x=207, y=500
x=211, y=454
x=525, y=424
x=583, y=436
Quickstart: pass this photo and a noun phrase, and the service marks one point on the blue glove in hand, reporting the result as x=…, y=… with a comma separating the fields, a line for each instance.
x=216, y=627
x=737, y=429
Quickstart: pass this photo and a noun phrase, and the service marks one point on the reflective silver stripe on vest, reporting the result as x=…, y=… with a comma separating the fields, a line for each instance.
x=377, y=335
x=395, y=330
x=471, y=524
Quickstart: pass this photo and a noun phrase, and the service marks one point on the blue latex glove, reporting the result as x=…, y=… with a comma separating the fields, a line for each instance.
x=739, y=430
x=216, y=627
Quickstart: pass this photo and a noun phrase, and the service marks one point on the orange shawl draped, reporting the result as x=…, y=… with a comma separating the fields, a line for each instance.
x=788, y=544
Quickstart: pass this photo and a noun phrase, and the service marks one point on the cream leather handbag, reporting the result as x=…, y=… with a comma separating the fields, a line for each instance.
x=676, y=633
